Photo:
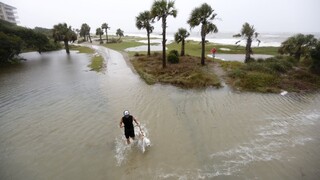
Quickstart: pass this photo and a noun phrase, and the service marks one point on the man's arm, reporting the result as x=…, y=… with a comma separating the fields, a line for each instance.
x=121, y=126
x=135, y=120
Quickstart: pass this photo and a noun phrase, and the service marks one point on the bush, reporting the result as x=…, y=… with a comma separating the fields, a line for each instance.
x=174, y=52
x=173, y=58
x=315, y=55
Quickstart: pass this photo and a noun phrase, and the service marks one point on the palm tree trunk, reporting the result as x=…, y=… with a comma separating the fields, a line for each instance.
x=203, y=46
x=107, y=35
x=248, y=50
x=101, y=42
x=66, y=45
x=164, y=25
x=182, y=48
x=148, y=34
x=90, y=38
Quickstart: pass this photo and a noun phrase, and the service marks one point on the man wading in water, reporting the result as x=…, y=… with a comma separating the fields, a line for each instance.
x=127, y=122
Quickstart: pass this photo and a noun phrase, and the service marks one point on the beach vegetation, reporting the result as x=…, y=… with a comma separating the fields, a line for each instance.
x=100, y=33
x=144, y=21
x=161, y=9
x=271, y=75
x=173, y=57
x=61, y=32
x=85, y=32
x=180, y=36
x=249, y=33
x=298, y=46
x=120, y=34
x=186, y=74
x=203, y=15
x=105, y=26
x=315, y=56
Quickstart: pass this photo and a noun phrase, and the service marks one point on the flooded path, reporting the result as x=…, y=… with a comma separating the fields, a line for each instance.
x=58, y=120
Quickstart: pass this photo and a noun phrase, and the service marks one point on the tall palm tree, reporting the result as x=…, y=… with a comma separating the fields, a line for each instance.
x=203, y=15
x=180, y=36
x=99, y=32
x=161, y=9
x=119, y=33
x=61, y=32
x=143, y=21
x=105, y=26
x=249, y=33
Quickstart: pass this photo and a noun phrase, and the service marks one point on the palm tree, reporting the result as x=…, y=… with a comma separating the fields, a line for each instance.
x=106, y=27
x=119, y=33
x=180, y=36
x=298, y=45
x=143, y=21
x=99, y=32
x=61, y=32
x=85, y=31
x=203, y=15
x=161, y=9
x=248, y=32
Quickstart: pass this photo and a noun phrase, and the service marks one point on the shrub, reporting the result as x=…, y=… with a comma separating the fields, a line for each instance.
x=136, y=54
x=174, y=52
x=173, y=58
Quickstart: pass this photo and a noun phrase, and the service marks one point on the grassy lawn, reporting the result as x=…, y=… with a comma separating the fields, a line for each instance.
x=193, y=48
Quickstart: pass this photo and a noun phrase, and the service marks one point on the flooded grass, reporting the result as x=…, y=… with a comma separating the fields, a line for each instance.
x=186, y=74
x=97, y=63
x=82, y=49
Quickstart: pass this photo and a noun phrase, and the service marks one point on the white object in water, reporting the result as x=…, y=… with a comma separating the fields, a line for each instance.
x=284, y=93
x=225, y=49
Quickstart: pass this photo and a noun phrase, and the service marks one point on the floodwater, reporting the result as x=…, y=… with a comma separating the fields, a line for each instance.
x=58, y=120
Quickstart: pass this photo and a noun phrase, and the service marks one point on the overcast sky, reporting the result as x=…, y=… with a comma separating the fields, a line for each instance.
x=266, y=15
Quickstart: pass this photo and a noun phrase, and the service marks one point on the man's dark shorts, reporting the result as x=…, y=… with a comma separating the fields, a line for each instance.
x=129, y=133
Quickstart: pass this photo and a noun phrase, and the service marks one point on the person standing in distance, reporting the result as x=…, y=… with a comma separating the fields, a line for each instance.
x=127, y=122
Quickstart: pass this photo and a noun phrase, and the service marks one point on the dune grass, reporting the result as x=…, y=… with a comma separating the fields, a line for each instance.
x=186, y=74
x=271, y=75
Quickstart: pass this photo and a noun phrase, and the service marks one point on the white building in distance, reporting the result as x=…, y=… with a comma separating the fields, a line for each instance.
x=7, y=13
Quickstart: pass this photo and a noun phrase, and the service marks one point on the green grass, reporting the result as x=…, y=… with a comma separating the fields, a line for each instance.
x=193, y=48
x=97, y=62
x=126, y=42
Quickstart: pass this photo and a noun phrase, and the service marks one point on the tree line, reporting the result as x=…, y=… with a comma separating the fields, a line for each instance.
x=14, y=39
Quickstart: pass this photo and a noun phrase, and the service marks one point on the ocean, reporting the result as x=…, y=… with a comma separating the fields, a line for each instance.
x=267, y=39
